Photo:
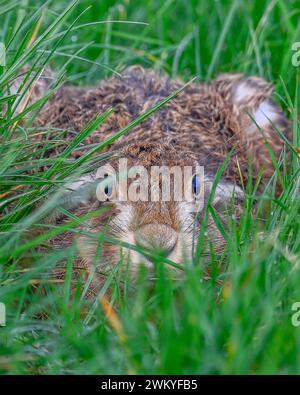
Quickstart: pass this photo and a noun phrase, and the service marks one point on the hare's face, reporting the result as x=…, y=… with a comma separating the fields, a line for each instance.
x=157, y=209
x=159, y=228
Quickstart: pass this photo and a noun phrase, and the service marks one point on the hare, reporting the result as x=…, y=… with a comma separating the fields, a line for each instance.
x=202, y=125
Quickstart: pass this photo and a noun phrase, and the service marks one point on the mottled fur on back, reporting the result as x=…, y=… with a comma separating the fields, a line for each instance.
x=205, y=120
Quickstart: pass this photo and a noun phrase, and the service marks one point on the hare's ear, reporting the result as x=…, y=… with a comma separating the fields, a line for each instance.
x=251, y=97
x=30, y=86
x=258, y=116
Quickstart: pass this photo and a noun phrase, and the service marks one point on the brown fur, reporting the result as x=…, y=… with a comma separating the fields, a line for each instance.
x=200, y=125
x=204, y=120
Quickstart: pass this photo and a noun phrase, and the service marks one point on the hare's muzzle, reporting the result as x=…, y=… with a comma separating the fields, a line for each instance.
x=157, y=237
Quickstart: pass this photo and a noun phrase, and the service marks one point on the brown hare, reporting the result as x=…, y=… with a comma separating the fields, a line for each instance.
x=199, y=126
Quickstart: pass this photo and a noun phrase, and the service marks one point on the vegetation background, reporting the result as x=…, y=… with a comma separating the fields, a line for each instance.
x=239, y=320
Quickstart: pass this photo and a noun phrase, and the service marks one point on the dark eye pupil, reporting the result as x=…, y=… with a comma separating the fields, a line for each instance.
x=195, y=185
x=106, y=188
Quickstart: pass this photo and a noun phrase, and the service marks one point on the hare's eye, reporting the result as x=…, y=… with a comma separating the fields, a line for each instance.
x=108, y=189
x=196, y=185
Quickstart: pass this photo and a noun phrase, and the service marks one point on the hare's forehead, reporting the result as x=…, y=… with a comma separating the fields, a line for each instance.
x=176, y=212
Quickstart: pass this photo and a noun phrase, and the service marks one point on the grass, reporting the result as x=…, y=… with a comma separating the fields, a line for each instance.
x=238, y=321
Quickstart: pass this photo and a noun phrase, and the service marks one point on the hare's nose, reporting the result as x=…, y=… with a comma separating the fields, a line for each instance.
x=157, y=237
